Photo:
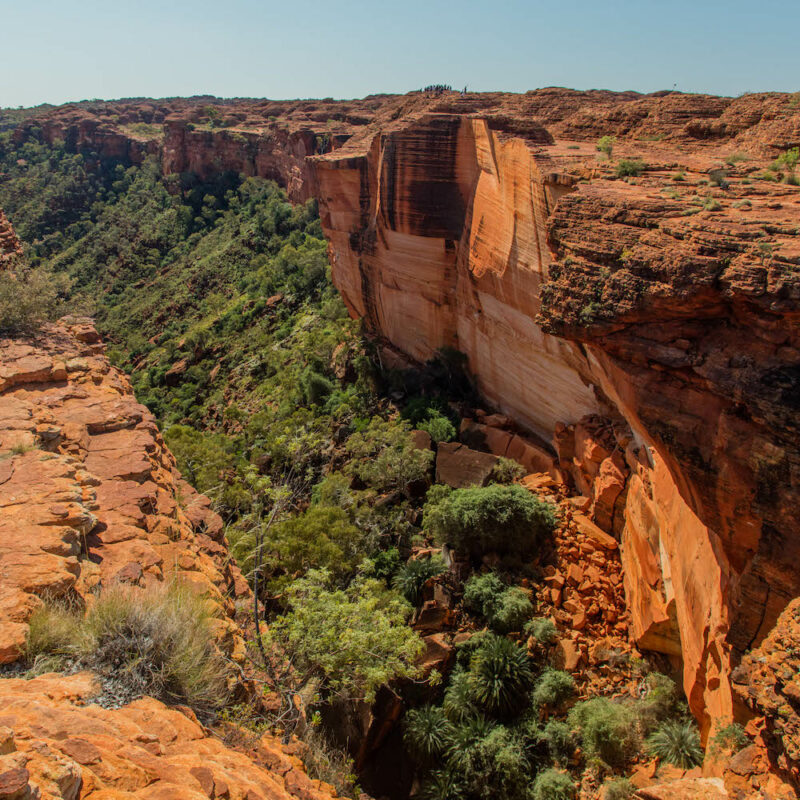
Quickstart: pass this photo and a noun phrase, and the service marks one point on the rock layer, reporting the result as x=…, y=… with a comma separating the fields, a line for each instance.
x=89, y=494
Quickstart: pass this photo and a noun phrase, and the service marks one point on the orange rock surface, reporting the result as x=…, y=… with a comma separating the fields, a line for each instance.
x=57, y=745
x=89, y=495
x=9, y=244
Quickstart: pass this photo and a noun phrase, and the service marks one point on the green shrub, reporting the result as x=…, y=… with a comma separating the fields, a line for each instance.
x=383, y=456
x=482, y=593
x=553, y=688
x=627, y=167
x=458, y=703
x=315, y=387
x=501, y=519
x=618, y=789
x=553, y=785
x=321, y=538
x=351, y=641
x=543, y=629
x=607, y=729
x=718, y=177
x=560, y=739
x=506, y=470
x=55, y=635
x=439, y=427
x=442, y=785
x=659, y=702
x=605, y=144
x=30, y=298
x=513, y=609
x=677, y=743
x=427, y=733
x=499, y=676
x=731, y=738
x=412, y=577
x=325, y=762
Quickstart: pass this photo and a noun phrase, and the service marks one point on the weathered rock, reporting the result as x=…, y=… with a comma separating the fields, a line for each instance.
x=68, y=747
x=460, y=467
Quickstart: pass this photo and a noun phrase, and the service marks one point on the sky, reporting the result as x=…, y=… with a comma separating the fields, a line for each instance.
x=57, y=52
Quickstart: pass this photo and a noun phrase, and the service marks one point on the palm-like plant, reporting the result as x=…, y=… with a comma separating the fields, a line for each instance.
x=412, y=577
x=428, y=732
x=500, y=676
x=677, y=743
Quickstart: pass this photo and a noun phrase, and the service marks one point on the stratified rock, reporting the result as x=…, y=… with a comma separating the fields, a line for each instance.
x=66, y=747
x=89, y=495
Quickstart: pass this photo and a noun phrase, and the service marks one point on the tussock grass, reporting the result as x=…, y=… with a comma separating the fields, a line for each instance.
x=155, y=643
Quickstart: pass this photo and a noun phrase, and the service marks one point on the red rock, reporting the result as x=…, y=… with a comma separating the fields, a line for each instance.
x=460, y=467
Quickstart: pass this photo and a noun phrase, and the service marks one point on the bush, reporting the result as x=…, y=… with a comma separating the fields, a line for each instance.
x=607, y=729
x=606, y=145
x=543, y=629
x=55, y=636
x=499, y=676
x=629, y=167
x=560, y=739
x=552, y=689
x=553, y=785
x=659, y=702
x=501, y=519
x=352, y=641
x=412, y=577
x=321, y=538
x=677, y=743
x=439, y=427
x=512, y=610
x=731, y=738
x=155, y=643
x=482, y=593
x=428, y=733
x=618, y=789
x=29, y=299
x=458, y=704
x=506, y=470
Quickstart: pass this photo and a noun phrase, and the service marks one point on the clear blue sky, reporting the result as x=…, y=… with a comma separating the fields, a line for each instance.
x=59, y=51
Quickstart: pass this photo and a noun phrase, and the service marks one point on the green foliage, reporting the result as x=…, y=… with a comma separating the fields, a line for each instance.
x=384, y=457
x=553, y=688
x=428, y=733
x=543, y=629
x=500, y=676
x=628, y=167
x=496, y=518
x=353, y=640
x=659, y=702
x=731, y=738
x=560, y=739
x=618, y=789
x=321, y=538
x=553, y=785
x=412, y=577
x=157, y=643
x=325, y=762
x=458, y=703
x=439, y=427
x=506, y=609
x=677, y=743
x=718, y=177
x=607, y=730
x=606, y=145
x=29, y=298
x=506, y=470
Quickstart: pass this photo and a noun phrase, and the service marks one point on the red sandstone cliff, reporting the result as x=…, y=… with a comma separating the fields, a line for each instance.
x=663, y=312
x=9, y=244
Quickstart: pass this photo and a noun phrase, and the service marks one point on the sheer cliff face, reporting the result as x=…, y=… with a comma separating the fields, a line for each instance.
x=578, y=298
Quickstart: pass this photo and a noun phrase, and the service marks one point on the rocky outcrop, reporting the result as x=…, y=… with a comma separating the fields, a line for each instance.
x=90, y=497
x=10, y=247
x=88, y=492
x=55, y=744
x=646, y=328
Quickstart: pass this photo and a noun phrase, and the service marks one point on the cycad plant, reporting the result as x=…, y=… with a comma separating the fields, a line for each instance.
x=500, y=676
x=428, y=733
x=677, y=743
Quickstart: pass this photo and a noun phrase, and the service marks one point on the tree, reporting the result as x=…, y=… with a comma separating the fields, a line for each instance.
x=605, y=144
x=352, y=641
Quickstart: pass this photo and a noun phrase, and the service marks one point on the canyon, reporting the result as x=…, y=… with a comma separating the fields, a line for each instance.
x=640, y=332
